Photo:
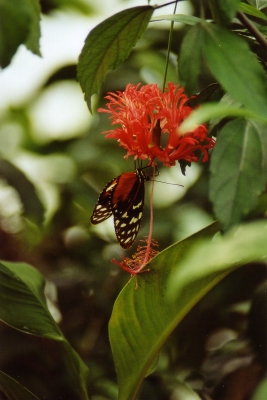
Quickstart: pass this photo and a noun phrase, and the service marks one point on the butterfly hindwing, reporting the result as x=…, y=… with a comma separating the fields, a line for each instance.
x=124, y=198
x=128, y=204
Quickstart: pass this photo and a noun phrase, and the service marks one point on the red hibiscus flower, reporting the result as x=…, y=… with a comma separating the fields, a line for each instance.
x=148, y=125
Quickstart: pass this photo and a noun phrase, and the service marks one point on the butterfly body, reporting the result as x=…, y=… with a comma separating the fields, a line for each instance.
x=123, y=197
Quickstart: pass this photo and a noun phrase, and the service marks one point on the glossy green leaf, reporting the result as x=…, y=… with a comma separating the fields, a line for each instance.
x=23, y=306
x=33, y=208
x=238, y=170
x=142, y=319
x=108, y=45
x=13, y=390
x=235, y=67
x=250, y=10
x=210, y=261
x=190, y=59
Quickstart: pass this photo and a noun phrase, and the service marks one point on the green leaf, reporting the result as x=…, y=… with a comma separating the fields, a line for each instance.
x=235, y=67
x=143, y=319
x=250, y=10
x=190, y=59
x=224, y=11
x=259, y=4
x=208, y=262
x=23, y=306
x=13, y=390
x=33, y=208
x=32, y=42
x=108, y=45
x=181, y=18
x=238, y=170
x=214, y=110
x=14, y=28
x=19, y=23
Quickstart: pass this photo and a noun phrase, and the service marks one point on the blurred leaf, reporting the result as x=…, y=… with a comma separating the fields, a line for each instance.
x=224, y=11
x=15, y=20
x=33, y=208
x=19, y=23
x=13, y=390
x=210, y=261
x=235, y=67
x=143, y=319
x=238, y=170
x=32, y=42
x=261, y=391
x=259, y=4
x=182, y=18
x=23, y=306
x=209, y=111
x=108, y=45
x=190, y=59
x=250, y=10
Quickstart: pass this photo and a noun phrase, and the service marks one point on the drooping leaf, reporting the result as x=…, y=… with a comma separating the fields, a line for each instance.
x=23, y=307
x=143, y=319
x=33, y=208
x=235, y=67
x=190, y=59
x=13, y=390
x=238, y=170
x=108, y=45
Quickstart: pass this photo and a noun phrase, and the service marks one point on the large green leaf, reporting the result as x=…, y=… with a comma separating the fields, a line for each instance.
x=108, y=45
x=23, y=306
x=143, y=319
x=238, y=170
x=13, y=390
x=235, y=67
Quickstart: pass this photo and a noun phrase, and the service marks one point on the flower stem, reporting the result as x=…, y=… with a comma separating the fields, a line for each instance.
x=169, y=49
x=252, y=29
x=149, y=239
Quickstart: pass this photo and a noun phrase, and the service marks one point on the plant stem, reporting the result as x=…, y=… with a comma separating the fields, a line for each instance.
x=252, y=29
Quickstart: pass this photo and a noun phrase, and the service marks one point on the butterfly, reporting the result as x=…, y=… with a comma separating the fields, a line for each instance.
x=123, y=197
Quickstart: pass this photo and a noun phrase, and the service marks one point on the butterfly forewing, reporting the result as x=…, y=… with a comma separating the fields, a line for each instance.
x=128, y=204
x=103, y=207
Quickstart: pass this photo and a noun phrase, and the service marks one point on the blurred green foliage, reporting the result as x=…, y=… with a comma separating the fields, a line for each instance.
x=49, y=183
